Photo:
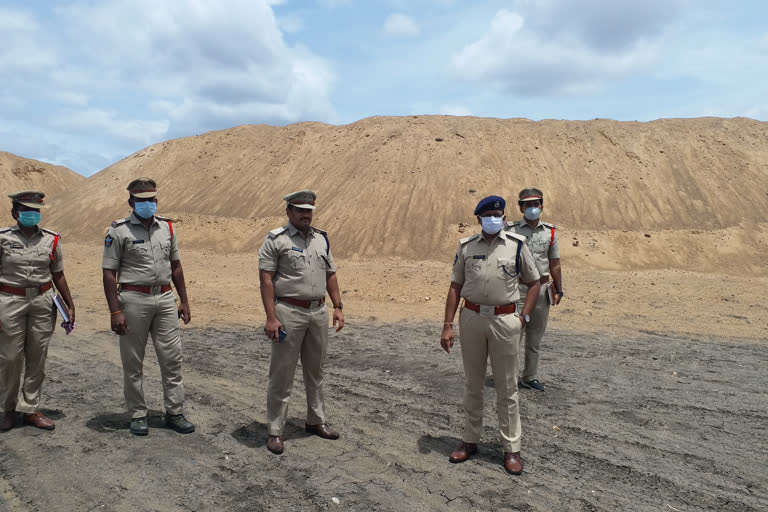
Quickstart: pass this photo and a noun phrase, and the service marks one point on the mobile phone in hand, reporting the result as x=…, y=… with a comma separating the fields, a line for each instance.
x=281, y=334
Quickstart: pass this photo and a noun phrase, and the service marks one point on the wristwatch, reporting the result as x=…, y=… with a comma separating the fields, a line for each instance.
x=560, y=293
x=340, y=307
x=527, y=318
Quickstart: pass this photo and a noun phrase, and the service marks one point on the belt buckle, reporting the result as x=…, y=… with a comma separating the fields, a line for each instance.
x=32, y=291
x=155, y=289
x=487, y=310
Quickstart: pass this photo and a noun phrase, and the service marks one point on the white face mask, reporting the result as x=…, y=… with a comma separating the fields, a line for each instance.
x=532, y=213
x=492, y=225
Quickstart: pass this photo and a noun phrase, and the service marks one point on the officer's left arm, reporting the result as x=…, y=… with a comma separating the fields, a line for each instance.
x=177, y=274
x=60, y=281
x=332, y=286
x=530, y=276
x=557, y=278
x=554, y=268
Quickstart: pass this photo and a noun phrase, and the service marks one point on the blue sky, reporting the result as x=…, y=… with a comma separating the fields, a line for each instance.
x=84, y=83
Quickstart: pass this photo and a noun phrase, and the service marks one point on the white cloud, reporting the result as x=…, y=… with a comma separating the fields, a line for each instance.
x=165, y=69
x=400, y=25
x=516, y=58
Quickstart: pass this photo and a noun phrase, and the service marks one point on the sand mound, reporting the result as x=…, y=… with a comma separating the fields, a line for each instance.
x=18, y=173
x=401, y=186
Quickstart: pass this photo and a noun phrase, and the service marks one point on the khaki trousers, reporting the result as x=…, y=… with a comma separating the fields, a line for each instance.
x=154, y=315
x=533, y=332
x=496, y=336
x=307, y=338
x=27, y=327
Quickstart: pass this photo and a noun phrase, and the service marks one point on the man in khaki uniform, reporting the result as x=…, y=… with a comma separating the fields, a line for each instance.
x=541, y=239
x=295, y=270
x=30, y=265
x=487, y=271
x=142, y=255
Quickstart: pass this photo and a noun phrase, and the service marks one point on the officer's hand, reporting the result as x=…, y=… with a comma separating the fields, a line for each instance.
x=557, y=298
x=446, y=339
x=184, y=313
x=338, y=319
x=522, y=321
x=270, y=329
x=71, y=313
x=119, y=325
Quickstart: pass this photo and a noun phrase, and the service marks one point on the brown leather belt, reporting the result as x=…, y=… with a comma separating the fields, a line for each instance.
x=306, y=304
x=497, y=310
x=145, y=289
x=23, y=291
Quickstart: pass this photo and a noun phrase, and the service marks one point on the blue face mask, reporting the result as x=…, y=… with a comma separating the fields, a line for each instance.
x=29, y=219
x=492, y=225
x=532, y=213
x=145, y=209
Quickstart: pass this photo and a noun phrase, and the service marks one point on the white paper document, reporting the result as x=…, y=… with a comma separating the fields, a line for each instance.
x=62, y=307
x=550, y=294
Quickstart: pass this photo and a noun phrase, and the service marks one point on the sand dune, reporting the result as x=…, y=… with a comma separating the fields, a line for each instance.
x=18, y=173
x=401, y=186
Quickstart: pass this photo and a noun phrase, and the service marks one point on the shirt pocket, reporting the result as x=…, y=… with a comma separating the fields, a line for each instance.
x=506, y=269
x=474, y=265
x=165, y=250
x=139, y=252
x=298, y=260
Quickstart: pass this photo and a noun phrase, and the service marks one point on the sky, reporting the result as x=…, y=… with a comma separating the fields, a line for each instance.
x=85, y=83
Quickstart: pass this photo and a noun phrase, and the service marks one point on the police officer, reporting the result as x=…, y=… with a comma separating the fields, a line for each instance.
x=295, y=270
x=541, y=239
x=141, y=253
x=487, y=271
x=30, y=265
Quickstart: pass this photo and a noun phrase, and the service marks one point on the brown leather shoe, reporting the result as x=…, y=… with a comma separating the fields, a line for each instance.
x=463, y=452
x=322, y=430
x=275, y=444
x=513, y=463
x=7, y=420
x=38, y=420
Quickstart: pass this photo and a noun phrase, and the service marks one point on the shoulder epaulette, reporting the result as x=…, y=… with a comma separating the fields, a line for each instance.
x=118, y=222
x=550, y=226
x=510, y=234
x=50, y=232
x=166, y=219
x=277, y=232
x=468, y=239
x=320, y=231
x=5, y=230
x=325, y=235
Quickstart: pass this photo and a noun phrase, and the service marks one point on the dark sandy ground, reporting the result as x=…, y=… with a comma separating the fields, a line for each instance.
x=652, y=422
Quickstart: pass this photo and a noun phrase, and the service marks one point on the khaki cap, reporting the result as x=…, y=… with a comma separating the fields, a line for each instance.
x=302, y=199
x=29, y=198
x=530, y=198
x=143, y=188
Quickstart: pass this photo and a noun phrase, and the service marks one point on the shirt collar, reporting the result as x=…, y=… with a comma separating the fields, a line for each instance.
x=292, y=231
x=135, y=220
x=525, y=223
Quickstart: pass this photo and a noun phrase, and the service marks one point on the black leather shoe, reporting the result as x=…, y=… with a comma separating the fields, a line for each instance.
x=178, y=423
x=521, y=384
x=139, y=426
x=534, y=384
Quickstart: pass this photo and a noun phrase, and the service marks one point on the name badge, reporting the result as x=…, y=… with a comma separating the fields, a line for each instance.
x=478, y=257
x=16, y=246
x=297, y=249
x=138, y=241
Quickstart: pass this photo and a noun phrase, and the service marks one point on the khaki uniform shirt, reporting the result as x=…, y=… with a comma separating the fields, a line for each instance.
x=26, y=262
x=488, y=272
x=141, y=256
x=301, y=265
x=538, y=241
